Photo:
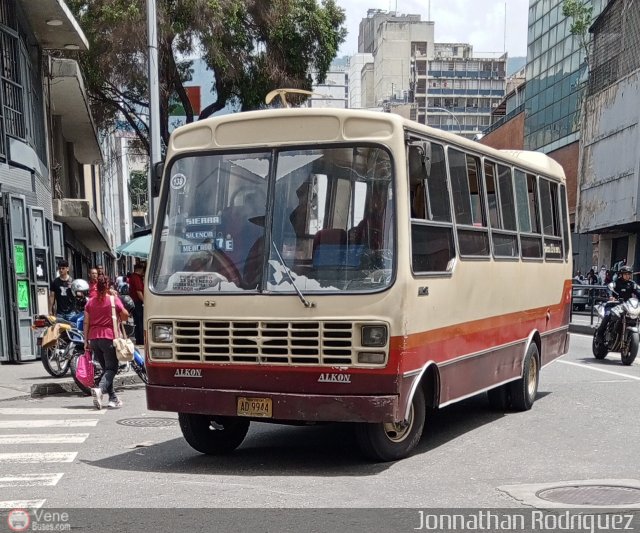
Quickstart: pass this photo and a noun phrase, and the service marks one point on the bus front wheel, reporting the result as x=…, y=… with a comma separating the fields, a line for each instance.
x=213, y=435
x=393, y=441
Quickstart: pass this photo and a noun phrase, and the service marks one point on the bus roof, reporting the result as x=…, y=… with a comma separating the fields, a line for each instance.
x=274, y=127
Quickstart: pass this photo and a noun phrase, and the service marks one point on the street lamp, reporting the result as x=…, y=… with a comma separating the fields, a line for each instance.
x=446, y=111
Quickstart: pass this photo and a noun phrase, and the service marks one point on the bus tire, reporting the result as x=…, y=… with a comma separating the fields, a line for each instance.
x=523, y=391
x=213, y=435
x=499, y=398
x=390, y=441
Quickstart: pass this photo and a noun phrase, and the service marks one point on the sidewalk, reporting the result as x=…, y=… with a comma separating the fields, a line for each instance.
x=31, y=380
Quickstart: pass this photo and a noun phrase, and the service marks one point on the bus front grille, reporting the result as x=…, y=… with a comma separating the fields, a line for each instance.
x=265, y=342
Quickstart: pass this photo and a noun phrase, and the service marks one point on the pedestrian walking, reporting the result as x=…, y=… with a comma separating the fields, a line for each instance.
x=136, y=291
x=99, y=334
x=61, y=301
x=93, y=282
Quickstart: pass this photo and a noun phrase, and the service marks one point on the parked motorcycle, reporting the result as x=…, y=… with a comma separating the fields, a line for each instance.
x=52, y=342
x=622, y=333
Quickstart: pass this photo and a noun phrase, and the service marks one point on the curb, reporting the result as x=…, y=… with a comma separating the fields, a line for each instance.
x=38, y=390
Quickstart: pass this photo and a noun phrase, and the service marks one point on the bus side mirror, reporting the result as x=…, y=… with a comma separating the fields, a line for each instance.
x=158, y=169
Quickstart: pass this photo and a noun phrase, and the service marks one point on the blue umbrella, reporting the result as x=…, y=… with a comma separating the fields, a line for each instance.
x=137, y=247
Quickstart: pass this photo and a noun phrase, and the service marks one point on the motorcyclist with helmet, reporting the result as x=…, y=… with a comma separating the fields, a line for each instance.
x=80, y=293
x=624, y=288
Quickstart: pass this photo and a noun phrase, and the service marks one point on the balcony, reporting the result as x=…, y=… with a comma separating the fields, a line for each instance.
x=54, y=25
x=83, y=221
x=70, y=102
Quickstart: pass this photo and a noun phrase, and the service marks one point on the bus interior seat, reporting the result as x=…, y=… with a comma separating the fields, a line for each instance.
x=327, y=247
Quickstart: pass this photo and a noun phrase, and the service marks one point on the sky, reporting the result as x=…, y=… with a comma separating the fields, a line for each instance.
x=480, y=23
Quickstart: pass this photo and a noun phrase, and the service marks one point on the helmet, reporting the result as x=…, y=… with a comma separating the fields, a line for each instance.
x=127, y=302
x=626, y=269
x=79, y=285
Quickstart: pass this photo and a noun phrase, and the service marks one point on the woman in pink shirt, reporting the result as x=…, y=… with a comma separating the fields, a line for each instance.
x=99, y=335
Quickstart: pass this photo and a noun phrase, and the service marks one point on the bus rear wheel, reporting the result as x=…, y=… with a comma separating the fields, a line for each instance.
x=213, y=435
x=393, y=441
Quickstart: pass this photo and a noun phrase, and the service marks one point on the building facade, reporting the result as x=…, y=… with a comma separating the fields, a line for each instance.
x=334, y=91
x=455, y=91
x=609, y=187
x=359, y=64
x=54, y=203
x=556, y=75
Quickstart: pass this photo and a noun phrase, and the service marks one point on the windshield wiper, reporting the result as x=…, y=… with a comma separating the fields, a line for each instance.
x=306, y=302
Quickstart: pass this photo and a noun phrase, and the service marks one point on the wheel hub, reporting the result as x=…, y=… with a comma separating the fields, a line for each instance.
x=532, y=378
x=398, y=431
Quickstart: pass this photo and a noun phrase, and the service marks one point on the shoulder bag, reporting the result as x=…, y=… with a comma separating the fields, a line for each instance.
x=124, y=346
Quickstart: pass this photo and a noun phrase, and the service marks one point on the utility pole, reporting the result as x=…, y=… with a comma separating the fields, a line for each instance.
x=154, y=102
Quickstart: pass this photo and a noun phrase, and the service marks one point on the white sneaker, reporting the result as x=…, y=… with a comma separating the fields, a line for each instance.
x=115, y=404
x=97, y=398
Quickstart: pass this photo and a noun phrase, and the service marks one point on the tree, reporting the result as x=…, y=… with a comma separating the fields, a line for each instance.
x=138, y=190
x=581, y=15
x=252, y=47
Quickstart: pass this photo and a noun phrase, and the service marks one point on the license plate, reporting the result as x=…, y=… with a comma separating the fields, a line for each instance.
x=255, y=407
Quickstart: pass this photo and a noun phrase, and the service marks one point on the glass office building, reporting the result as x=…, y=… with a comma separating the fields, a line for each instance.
x=556, y=77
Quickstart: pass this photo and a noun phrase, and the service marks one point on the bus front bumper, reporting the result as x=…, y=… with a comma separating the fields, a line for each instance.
x=285, y=406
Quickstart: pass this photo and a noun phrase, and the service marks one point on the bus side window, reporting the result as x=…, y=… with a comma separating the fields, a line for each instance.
x=432, y=243
x=528, y=215
x=466, y=187
x=502, y=216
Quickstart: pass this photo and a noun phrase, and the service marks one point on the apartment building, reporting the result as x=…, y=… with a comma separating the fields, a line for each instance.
x=54, y=202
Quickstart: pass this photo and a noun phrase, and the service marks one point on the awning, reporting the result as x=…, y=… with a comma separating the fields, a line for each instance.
x=54, y=25
x=136, y=247
x=70, y=102
x=83, y=221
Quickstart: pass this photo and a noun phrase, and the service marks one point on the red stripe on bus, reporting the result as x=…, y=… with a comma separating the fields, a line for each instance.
x=450, y=342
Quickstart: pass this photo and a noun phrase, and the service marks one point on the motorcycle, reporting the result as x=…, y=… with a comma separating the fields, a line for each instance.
x=622, y=333
x=52, y=342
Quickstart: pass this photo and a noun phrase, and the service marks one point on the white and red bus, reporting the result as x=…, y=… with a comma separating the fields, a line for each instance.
x=349, y=266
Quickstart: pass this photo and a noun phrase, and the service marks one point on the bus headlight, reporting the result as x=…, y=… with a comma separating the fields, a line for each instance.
x=374, y=336
x=162, y=333
x=161, y=353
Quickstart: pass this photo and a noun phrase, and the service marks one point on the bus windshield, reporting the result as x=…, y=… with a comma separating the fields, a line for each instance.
x=262, y=221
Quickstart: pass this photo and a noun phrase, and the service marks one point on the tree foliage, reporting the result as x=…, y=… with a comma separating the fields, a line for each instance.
x=252, y=47
x=581, y=15
x=138, y=188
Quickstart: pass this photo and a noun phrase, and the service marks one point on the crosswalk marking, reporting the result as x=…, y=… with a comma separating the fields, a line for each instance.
x=30, y=480
x=38, y=457
x=43, y=438
x=21, y=504
x=70, y=423
x=43, y=411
